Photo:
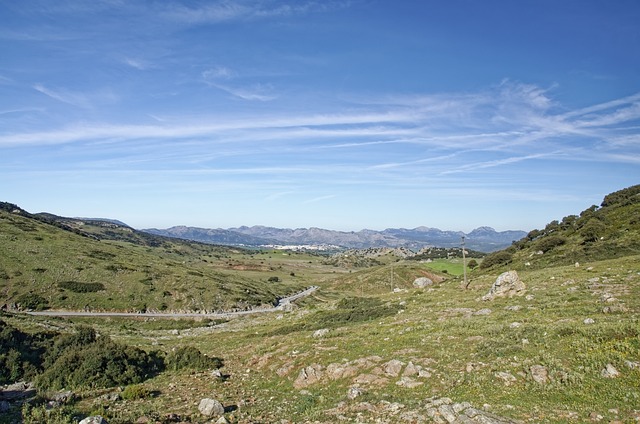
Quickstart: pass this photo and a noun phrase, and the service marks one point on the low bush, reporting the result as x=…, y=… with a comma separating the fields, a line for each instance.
x=189, y=357
x=496, y=259
x=32, y=301
x=78, y=287
x=100, y=364
x=135, y=391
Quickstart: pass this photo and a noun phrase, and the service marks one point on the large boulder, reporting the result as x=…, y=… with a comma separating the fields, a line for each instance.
x=422, y=282
x=210, y=408
x=507, y=284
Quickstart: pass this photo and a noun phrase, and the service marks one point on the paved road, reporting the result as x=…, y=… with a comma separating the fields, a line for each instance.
x=281, y=305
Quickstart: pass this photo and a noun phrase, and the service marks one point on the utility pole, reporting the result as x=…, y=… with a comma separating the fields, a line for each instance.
x=464, y=265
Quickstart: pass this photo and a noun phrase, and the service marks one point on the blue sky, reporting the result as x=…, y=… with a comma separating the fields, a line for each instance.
x=344, y=114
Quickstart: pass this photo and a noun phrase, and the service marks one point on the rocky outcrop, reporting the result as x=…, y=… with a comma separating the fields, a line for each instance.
x=508, y=284
x=444, y=410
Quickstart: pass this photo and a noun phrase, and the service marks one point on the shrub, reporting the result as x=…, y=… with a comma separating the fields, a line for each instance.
x=496, y=259
x=135, y=391
x=99, y=363
x=32, y=301
x=189, y=357
x=78, y=287
x=550, y=242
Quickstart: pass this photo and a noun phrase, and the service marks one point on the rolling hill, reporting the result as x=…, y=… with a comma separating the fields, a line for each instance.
x=55, y=262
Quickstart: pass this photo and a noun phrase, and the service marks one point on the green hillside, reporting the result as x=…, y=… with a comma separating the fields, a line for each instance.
x=52, y=262
x=609, y=231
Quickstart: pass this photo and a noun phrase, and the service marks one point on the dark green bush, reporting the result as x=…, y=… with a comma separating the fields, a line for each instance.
x=100, y=364
x=496, y=259
x=189, y=357
x=78, y=287
x=32, y=301
x=135, y=391
x=547, y=243
x=20, y=353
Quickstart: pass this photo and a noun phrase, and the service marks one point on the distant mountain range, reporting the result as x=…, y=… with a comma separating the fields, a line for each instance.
x=484, y=239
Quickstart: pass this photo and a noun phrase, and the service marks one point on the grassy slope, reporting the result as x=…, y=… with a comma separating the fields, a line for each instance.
x=438, y=329
x=463, y=343
x=36, y=257
x=609, y=231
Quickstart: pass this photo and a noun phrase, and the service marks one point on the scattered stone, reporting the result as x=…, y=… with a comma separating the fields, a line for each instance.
x=515, y=325
x=371, y=379
x=320, y=333
x=210, y=407
x=632, y=364
x=507, y=284
x=595, y=417
x=284, y=370
x=443, y=410
x=96, y=419
x=354, y=392
x=506, y=377
x=222, y=420
x=408, y=382
x=589, y=321
x=422, y=282
x=411, y=369
x=539, y=374
x=529, y=297
x=610, y=372
x=513, y=308
x=393, y=367
x=110, y=397
x=63, y=397
x=308, y=375
x=485, y=311
x=336, y=371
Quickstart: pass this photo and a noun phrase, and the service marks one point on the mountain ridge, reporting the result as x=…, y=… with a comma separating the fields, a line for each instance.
x=485, y=239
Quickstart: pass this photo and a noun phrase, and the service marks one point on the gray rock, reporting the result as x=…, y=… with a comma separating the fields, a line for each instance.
x=610, y=372
x=354, y=392
x=393, y=367
x=506, y=377
x=96, y=419
x=507, y=284
x=422, y=282
x=63, y=397
x=210, y=407
x=320, y=333
x=309, y=375
x=539, y=374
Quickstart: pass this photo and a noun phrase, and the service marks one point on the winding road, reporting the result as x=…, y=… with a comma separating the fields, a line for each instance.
x=282, y=303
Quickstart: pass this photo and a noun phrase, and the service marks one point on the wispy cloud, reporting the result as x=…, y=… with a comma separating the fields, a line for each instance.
x=228, y=80
x=64, y=96
x=139, y=64
x=223, y=11
x=469, y=132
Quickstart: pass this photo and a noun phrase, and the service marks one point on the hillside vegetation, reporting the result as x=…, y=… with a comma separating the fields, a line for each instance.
x=367, y=347
x=611, y=230
x=48, y=262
